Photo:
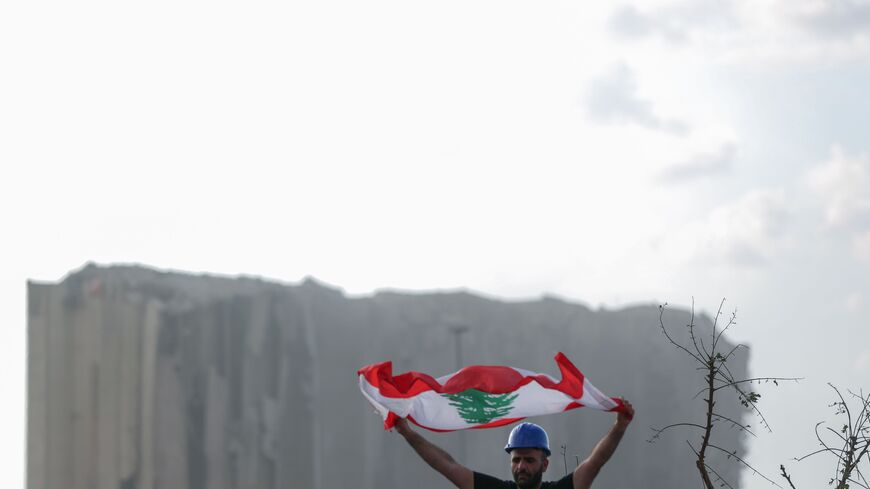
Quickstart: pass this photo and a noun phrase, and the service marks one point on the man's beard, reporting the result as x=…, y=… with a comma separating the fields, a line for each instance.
x=531, y=481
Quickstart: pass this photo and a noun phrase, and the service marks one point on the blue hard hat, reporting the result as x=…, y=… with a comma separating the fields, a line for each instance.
x=528, y=435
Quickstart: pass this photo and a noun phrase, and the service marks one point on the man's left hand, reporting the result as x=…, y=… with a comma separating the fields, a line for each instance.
x=623, y=418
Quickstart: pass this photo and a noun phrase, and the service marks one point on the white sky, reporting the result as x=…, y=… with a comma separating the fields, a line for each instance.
x=607, y=153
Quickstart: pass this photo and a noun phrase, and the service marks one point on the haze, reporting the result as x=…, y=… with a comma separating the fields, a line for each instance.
x=607, y=153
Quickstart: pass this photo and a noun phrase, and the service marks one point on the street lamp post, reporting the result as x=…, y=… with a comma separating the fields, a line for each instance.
x=458, y=330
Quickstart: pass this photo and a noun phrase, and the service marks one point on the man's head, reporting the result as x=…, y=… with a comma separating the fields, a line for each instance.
x=529, y=447
x=528, y=466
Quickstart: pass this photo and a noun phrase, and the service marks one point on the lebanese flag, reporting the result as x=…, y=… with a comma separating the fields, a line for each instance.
x=479, y=396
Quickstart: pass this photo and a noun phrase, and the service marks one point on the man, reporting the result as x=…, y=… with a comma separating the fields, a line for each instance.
x=529, y=449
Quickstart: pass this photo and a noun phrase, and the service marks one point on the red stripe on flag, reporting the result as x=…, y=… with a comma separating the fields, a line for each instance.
x=572, y=378
x=493, y=379
x=573, y=405
x=410, y=384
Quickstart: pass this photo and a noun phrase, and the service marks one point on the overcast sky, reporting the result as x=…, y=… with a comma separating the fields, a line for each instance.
x=608, y=153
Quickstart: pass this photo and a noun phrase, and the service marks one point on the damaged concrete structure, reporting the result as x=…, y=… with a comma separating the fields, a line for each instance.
x=142, y=379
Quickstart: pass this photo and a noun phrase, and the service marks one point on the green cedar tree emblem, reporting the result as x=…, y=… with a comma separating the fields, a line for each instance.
x=477, y=407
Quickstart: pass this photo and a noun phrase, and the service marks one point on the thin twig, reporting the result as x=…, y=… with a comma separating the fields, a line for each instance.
x=750, y=467
x=691, y=327
x=756, y=379
x=786, y=476
x=665, y=331
x=735, y=423
x=657, y=432
x=718, y=476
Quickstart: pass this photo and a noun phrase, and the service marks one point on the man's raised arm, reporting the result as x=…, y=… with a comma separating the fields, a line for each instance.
x=438, y=459
x=586, y=472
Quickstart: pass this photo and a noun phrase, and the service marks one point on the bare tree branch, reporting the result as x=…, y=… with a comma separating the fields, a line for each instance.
x=673, y=342
x=786, y=476
x=735, y=424
x=838, y=435
x=745, y=463
x=731, y=322
x=852, y=438
x=747, y=400
x=733, y=350
x=832, y=450
x=860, y=474
x=717, y=376
x=691, y=327
x=659, y=431
x=756, y=379
x=718, y=477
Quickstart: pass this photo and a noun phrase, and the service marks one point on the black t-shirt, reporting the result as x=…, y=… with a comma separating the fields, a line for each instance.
x=483, y=481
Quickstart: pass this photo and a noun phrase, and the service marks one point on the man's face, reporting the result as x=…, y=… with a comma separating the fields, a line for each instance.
x=528, y=466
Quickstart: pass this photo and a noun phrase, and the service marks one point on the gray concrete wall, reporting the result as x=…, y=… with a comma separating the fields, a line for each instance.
x=139, y=379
